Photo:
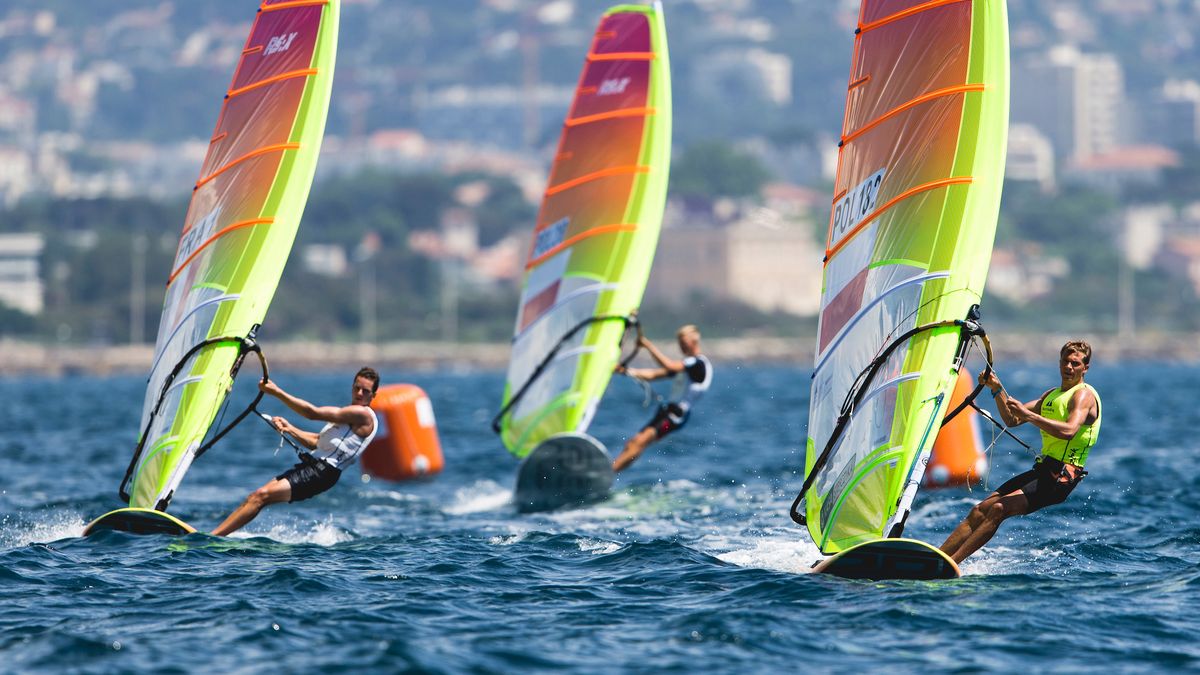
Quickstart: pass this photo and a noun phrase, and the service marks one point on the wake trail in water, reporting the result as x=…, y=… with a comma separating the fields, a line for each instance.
x=482, y=496
x=323, y=533
x=45, y=527
x=791, y=554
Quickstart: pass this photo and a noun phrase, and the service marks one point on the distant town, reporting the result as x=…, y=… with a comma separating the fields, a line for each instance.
x=444, y=121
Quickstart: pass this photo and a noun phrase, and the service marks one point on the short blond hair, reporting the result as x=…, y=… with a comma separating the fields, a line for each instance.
x=686, y=330
x=1080, y=347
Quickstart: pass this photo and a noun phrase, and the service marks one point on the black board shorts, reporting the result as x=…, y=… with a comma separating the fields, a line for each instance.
x=310, y=478
x=1043, y=485
x=670, y=417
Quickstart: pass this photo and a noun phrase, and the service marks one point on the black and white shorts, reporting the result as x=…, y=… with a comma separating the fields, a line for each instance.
x=310, y=478
x=670, y=417
x=1044, y=485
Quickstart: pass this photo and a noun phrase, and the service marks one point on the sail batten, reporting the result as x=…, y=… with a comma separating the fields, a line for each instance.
x=211, y=240
x=596, y=232
x=924, y=98
x=911, y=192
x=621, y=56
x=278, y=147
x=924, y=6
x=307, y=72
x=920, y=168
x=292, y=4
x=596, y=175
x=615, y=114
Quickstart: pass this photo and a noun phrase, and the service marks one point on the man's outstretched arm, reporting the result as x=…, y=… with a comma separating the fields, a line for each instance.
x=668, y=367
x=353, y=415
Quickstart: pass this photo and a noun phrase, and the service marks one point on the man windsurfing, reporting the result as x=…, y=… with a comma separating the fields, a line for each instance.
x=693, y=375
x=348, y=431
x=1069, y=419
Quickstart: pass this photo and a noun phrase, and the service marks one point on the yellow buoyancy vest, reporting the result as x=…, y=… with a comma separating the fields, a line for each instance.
x=1073, y=451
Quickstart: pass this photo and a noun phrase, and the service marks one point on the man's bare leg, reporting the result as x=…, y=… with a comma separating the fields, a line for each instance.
x=278, y=490
x=967, y=526
x=634, y=448
x=1014, y=504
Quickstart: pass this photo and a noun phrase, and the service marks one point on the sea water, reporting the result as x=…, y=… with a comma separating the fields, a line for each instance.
x=692, y=565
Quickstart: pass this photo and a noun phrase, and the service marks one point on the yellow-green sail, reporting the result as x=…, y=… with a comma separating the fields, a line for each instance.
x=240, y=225
x=911, y=230
x=596, y=231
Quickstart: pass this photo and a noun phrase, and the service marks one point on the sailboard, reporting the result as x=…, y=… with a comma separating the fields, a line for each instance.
x=238, y=232
x=589, y=259
x=917, y=194
x=890, y=559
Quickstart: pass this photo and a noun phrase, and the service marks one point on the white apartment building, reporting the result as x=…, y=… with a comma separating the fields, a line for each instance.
x=1030, y=156
x=20, y=282
x=1076, y=99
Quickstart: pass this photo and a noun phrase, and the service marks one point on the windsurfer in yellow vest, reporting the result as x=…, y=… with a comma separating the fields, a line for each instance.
x=1069, y=419
x=348, y=430
x=692, y=377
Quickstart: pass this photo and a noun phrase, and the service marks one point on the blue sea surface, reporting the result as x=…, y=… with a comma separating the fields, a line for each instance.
x=691, y=566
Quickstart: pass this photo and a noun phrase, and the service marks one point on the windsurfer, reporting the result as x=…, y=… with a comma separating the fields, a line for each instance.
x=1069, y=419
x=348, y=430
x=693, y=375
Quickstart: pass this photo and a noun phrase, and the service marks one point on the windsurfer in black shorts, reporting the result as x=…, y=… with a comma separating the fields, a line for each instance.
x=693, y=375
x=348, y=430
x=1069, y=419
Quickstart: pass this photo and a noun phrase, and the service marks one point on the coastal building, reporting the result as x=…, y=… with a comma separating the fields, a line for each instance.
x=753, y=255
x=327, y=260
x=1024, y=273
x=455, y=245
x=1180, y=257
x=16, y=174
x=1125, y=165
x=1076, y=99
x=796, y=202
x=800, y=159
x=20, y=281
x=1143, y=230
x=18, y=117
x=1174, y=119
x=755, y=73
x=1030, y=156
x=489, y=114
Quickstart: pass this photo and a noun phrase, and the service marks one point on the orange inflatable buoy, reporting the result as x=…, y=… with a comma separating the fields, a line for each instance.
x=958, y=455
x=406, y=445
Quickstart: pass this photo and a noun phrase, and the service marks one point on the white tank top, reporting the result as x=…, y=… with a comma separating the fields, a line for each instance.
x=691, y=382
x=338, y=445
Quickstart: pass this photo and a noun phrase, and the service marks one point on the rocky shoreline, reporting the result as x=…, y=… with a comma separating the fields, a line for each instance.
x=29, y=358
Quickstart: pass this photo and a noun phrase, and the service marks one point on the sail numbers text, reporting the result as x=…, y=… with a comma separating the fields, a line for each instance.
x=549, y=238
x=197, y=235
x=856, y=205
